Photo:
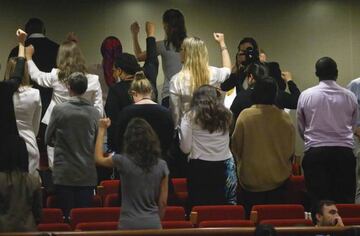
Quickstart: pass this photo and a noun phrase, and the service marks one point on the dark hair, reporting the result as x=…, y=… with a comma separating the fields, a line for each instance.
x=326, y=69
x=265, y=91
x=250, y=40
x=257, y=69
x=13, y=154
x=208, y=111
x=141, y=144
x=265, y=230
x=176, y=31
x=319, y=209
x=78, y=83
x=34, y=25
x=128, y=63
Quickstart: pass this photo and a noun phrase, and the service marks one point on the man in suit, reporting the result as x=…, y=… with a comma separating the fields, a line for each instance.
x=45, y=58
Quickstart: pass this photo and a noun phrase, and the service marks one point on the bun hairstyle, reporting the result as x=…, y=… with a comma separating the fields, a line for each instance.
x=141, y=84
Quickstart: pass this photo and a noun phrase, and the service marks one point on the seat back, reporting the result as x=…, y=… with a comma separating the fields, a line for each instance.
x=279, y=211
x=54, y=227
x=52, y=215
x=349, y=210
x=93, y=226
x=219, y=212
x=174, y=213
x=112, y=200
x=86, y=215
x=176, y=224
x=110, y=186
x=225, y=223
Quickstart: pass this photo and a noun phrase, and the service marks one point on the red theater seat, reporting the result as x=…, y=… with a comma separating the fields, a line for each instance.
x=51, y=202
x=174, y=213
x=112, y=200
x=93, y=226
x=54, y=227
x=87, y=215
x=52, y=215
x=277, y=211
x=180, y=188
x=288, y=222
x=296, y=190
x=177, y=224
x=219, y=212
x=225, y=223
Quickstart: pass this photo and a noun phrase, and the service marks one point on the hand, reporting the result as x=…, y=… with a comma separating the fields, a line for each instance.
x=219, y=37
x=150, y=29
x=286, y=76
x=21, y=35
x=71, y=36
x=338, y=222
x=135, y=28
x=104, y=123
x=29, y=52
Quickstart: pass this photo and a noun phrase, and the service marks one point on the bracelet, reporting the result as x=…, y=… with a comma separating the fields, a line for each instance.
x=223, y=48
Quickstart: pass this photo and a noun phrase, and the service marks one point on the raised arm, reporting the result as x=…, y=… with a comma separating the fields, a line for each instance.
x=18, y=74
x=219, y=37
x=135, y=28
x=42, y=78
x=100, y=159
x=151, y=65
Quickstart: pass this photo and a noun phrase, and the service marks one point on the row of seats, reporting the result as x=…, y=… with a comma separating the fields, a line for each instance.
x=106, y=218
x=108, y=193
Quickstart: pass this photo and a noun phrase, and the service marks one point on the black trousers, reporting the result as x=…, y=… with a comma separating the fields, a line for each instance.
x=249, y=199
x=69, y=197
x=330, y=174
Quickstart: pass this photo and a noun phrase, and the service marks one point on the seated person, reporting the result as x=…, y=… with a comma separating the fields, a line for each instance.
x=326, y=214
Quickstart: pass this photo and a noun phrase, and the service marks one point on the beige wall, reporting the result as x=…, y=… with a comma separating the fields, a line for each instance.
x=295, y=32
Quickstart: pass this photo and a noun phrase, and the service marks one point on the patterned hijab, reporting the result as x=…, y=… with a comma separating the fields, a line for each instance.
x=110, y=49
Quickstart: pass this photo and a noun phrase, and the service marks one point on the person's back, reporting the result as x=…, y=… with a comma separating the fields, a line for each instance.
x=20, y=192
x=76, y=123
x=156, y=115
x=20, y=205
x=140, y=193
x=328, y=116
x=267, y=146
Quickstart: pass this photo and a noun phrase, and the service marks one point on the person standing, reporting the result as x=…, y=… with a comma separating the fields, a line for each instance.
x=45, y=59
x=263, y=143
x=327, y=117
x=72, y=132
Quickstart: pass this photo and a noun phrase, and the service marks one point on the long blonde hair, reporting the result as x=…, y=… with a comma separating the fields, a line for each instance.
x=69, y=60
x=10, y=68
x=196, y=62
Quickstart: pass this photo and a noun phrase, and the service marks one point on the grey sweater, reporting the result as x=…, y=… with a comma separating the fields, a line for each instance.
x=72, y=131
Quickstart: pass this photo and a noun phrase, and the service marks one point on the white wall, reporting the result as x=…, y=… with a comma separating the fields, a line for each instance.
x=295, y=33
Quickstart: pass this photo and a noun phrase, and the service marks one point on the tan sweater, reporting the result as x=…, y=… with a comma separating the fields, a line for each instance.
x=263, y=143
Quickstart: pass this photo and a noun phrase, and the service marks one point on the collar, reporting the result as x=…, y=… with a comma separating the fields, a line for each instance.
x=36, y=35
x=262, y=106
x=327, y=82
x=77, y=99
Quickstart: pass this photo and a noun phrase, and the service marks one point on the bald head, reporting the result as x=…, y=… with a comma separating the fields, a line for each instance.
x=326, y=69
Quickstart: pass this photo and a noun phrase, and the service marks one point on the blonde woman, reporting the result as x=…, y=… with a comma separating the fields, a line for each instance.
x=196, y=72
x=27, y=105
x=69, y=60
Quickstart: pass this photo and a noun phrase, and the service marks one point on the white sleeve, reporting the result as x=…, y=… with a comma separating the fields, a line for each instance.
x=43, y=79
x=220, y=74
x=175, y=103
x=185, y=134
x=98, y=102
x=37, y=113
